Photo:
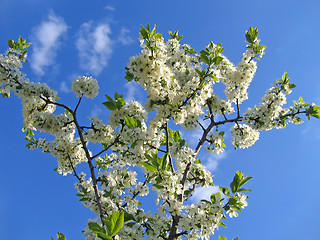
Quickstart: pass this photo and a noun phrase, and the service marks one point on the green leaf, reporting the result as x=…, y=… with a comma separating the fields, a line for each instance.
x=170, y=132
x=313, y=111
x=60, y=236
x=104, y=236
x=222, y=238
x=291, y=85
x=177, y=136
x=114, y=223
x=110, y=105
x=222, y=224
x=130, y=122
x=244, y=180
x=109, y=98
x=198, y=161
x=95, y=227
x=284, y=76
x=11, y=43
x=236, y=181
x=233, y=201
x=148, y=156
x=164, y=162
x=205, y=59
x=225, y=191
x=144, y=33
x=158, y=35
x=129, y=76
x=128, y=216
x=217, y=60
x=244, y=190
x=149, y=167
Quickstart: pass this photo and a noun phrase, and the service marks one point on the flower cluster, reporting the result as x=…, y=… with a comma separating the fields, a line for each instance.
x=243, y=136
x=85, y=85
x=216, y=142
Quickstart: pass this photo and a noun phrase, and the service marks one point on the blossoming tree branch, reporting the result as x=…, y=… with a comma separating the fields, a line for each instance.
x=141, y=149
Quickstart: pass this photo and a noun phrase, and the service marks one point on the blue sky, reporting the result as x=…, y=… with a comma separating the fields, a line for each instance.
x=72, y=38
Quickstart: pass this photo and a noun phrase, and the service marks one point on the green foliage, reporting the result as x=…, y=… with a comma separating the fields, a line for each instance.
x=60, y=236
x=175, y=35
x=131, y=123
x=116, y=104
x=20, y=45
x=252, y=35
x=210, y=56
x=252, y=39
x=29, y=137
x=147, y=35
x=234, y=203
x=224, y=238
x=156, y=164
x=238, y=181
x=113, y=225
x=313, y=111
x=129, y=76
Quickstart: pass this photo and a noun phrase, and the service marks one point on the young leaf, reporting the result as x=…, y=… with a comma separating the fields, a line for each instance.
x=60, y=236
x=110, y=105
x=222, y=238
x=95, y=227
x=244, y=180
x=177, y=136
x=225, y=191
x=114, y=223
x=104, y=236
x=130, y=122
x=144, y=33
x=149, y=167
x=170, y=133
x=11, y=43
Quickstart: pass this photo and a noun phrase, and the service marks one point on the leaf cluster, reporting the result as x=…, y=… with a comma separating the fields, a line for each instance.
x=19, y=45
x=175, y=35
x=211, y=54
x=115, y=104
x=113, y=224
x=155, y=163
x=236, y=187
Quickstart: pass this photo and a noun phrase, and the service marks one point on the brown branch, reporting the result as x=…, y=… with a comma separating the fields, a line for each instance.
x=167, y=147
x=158, y=149
x=74, y=170
x=87, y=153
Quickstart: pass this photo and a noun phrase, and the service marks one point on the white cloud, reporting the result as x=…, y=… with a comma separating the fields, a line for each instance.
x=95, y=46
x=132, y=89
x=110, y=8
x=64, y=87
x=204, y=193
x=46, y=41
x=124, y=38
x=96, y=111
x=212, y=160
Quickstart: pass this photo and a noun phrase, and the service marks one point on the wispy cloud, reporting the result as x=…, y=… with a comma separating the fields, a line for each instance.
x=94, y=46
x=212, y=160
x=110, y=8
x=46, y=41
x=64, y=87
x=96, y=111
x=124, y=37
x=132, y=90
x=204, y=193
